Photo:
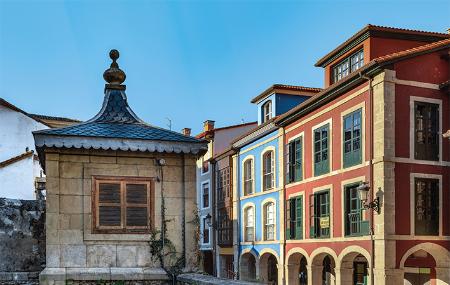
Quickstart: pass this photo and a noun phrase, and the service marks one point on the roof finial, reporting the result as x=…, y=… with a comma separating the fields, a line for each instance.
x=114, y=75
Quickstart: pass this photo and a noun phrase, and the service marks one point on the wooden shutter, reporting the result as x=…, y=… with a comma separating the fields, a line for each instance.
x=109, y=205
x=299, y=217
x=298, y=176
x=288, y=219
x=288, y=162
x=312, y=215
x=137, y=205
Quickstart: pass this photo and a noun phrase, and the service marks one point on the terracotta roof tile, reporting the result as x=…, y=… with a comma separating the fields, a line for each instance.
x=375, y=28
x=380, y=61
x=412, y=51
x=285, y=87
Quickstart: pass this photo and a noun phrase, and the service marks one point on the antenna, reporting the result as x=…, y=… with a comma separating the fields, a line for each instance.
x=169, y=123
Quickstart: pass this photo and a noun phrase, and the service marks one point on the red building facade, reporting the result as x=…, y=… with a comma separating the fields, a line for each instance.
x=378, y=123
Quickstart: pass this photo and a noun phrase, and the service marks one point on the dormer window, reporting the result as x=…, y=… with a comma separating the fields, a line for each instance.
x=267, y=111
x=348, y=65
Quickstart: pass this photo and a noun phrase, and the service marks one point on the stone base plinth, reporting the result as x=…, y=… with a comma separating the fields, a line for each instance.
x=106, y=276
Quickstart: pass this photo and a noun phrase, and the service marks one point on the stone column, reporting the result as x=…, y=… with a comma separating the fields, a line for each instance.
x=384, y=177
x=315, y=274
x=291, y=274
x=344, y=276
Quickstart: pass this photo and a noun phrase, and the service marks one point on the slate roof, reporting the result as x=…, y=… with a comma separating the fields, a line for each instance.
x=117, y=127
x=117, y=120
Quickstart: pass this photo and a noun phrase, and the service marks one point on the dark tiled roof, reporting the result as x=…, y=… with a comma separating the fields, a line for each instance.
x=117, y=120
x=46, y=117
x=120, y=131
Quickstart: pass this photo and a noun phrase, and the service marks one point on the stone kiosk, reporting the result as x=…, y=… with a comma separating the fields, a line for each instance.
x=107, y=181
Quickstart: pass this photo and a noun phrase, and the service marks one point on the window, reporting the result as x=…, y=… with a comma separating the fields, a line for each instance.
x=267, y=111
x=352, y=152
x=205, y=231
x=205, y=195
x=268, y=170
x=426, y=141
x=294, y=169
x=426, y=203
x=269, y=221
x=354, y=224
x=205, y=167
x=321, y=144
x=122, y=205
x=294, y=210
x=224, y=226
x=223, y=184
x=248, y=177
x=349, y=64
x=249, y=224
x=319, y=204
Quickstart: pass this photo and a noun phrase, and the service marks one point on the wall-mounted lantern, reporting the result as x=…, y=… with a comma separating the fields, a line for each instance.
x=363, y=194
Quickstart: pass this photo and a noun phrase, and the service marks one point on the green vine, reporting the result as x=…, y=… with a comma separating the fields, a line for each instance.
x=162, y=248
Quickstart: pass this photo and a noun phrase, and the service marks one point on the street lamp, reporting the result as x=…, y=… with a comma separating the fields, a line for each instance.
x=363, y=194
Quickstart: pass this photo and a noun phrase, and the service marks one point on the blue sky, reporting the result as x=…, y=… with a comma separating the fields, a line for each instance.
x=185, y=60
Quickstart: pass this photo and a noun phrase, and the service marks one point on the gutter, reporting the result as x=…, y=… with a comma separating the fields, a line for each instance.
x=371, y=181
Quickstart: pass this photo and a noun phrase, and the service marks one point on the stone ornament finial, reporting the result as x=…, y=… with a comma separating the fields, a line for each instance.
x=114, y=75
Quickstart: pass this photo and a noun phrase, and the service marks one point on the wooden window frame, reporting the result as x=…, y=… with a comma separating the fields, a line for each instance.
x=338, y=71
x=315, y=208
x=294, y=215
x=267, y=114
x=123, y=181
x=322, y=166
x=248, y=176
x=353, y=156
x=426, y=150
x=294, y=158
x=432, y=210
x=268, y=174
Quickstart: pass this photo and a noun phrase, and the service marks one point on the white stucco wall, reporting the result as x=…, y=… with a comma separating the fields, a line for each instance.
x=17, y=179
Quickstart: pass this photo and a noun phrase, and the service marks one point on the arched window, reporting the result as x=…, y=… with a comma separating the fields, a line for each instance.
x=248, y=177
x=249, y=224
x=269, y=221
x=267, y=111
x=268, y=170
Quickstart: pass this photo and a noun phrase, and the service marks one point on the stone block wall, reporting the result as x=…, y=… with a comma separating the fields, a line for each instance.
x=70, y=240
x=22, y=240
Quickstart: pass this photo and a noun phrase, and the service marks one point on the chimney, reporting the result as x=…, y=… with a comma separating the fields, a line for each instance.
x=208, y=125
x=186, y=132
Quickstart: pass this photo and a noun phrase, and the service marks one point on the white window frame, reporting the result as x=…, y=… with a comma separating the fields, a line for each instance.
x=274, y=168
x=209, y=194
x=269, y=114
x=245, y=221
x=412, y=150
x=264, y=205
x=412, y=193
x=252, y=158
x=201, y=167
x=202, y=228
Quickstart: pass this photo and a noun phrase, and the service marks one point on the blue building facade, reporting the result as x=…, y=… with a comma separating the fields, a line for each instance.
x=259, y=188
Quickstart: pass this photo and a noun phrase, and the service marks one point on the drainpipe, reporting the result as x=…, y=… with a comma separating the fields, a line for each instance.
x=285, y=263
x=213, y=216
x=238, y=218
x=371, y=216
